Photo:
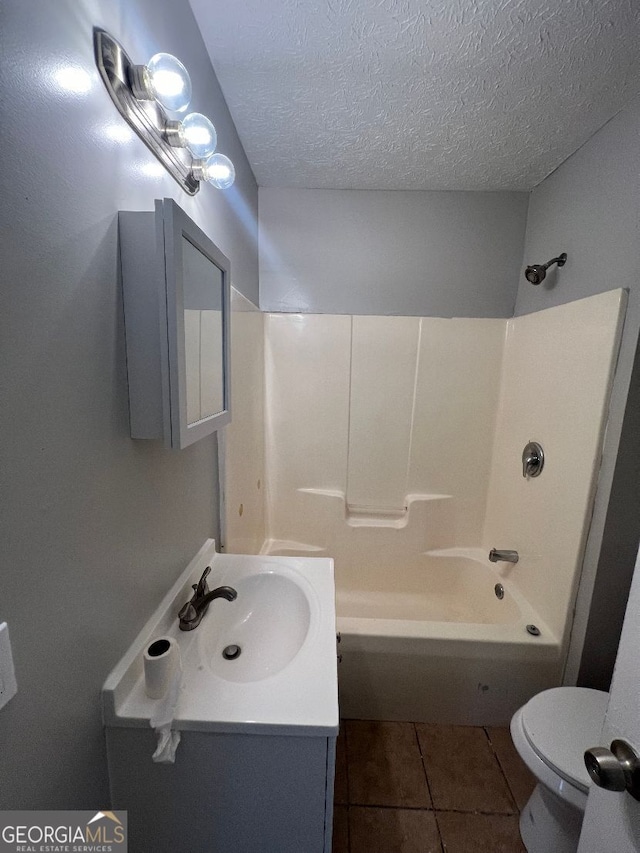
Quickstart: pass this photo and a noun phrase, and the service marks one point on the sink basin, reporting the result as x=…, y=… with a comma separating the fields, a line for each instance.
x=283, y=681
x=269, y=622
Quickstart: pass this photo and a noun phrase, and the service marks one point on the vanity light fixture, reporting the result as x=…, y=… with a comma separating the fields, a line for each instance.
x=144, y=94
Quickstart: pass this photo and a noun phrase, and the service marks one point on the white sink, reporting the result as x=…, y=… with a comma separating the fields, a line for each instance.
x=283, y=620
x=269, y=623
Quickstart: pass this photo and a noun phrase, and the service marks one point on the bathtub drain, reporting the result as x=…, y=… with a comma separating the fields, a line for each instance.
x=533, y=630
x=499, y=591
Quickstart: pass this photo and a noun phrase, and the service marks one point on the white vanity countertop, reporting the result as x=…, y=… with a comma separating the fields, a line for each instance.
x=300, y=698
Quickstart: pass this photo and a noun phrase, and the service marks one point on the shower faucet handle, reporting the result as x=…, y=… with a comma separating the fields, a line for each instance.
x=532, y=460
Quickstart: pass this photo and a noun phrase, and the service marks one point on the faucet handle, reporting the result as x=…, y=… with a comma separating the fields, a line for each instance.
x=202, y=588
x=532, y=460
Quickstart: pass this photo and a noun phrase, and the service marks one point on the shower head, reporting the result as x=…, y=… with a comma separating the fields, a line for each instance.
x=536, y=272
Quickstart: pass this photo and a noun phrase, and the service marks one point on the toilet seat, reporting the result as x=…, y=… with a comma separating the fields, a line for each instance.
x=551, y=733
x=560, y=724
x=543, y=772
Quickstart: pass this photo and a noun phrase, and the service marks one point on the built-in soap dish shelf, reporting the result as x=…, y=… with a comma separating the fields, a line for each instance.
x=358, y=516
x=395, y=517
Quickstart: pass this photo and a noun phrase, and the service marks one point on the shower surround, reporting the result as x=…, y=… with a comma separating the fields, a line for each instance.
x=393, y=444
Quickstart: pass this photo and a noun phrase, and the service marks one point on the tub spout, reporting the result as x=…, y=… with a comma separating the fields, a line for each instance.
x=507, y=556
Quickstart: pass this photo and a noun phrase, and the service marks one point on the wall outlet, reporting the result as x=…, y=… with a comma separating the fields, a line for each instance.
x=8, y=684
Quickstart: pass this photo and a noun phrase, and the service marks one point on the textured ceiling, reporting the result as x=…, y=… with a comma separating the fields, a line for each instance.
x=419, y=94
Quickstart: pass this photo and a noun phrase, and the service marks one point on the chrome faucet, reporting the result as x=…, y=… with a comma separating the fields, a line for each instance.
x=507, y=556
x=191, y=614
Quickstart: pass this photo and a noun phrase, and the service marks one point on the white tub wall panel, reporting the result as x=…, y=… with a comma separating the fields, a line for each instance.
x=442, y=519
x=382, y=553
x=377, y=558
x=383, y=370
x=557, y=372
x=307, y=363
x=457, y=395
x=211, y=353
x=462, y=364
x=319, y=516
x=244, y=437
x=312, y=518
x=192, y=363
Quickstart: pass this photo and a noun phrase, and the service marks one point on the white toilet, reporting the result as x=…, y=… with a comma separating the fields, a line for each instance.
x=551, y=733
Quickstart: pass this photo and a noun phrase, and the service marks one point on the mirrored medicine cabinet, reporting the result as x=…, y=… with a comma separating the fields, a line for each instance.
x=176, y=290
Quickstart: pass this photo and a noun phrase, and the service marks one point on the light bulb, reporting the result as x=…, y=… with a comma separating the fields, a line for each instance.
x=219, y=171
x=199, y=135
x=165, y=79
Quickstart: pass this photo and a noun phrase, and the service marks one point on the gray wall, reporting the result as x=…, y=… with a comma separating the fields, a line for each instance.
x=590, y=208
x=95, y=526
x=439, y=254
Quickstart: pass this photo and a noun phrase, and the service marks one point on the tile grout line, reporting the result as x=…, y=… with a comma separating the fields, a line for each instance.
x=443, y=849
x=382, y=806
x=424, y=766
x=498, y=762
x=426, y=777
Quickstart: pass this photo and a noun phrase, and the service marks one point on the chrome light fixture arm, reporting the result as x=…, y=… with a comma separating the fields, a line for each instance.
x=145, y=116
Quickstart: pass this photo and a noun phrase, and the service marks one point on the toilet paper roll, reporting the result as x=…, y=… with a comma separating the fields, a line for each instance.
x=160, y=660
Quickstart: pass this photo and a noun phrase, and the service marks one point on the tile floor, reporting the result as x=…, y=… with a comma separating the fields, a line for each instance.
x=417, y=788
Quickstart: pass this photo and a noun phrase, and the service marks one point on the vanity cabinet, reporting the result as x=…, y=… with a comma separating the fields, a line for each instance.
x=254, y=767
x=226, y=793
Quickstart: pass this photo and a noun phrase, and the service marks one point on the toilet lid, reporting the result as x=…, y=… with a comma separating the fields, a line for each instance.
x=560, y=724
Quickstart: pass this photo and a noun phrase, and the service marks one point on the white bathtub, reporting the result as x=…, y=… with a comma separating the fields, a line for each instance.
x=428, y=640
